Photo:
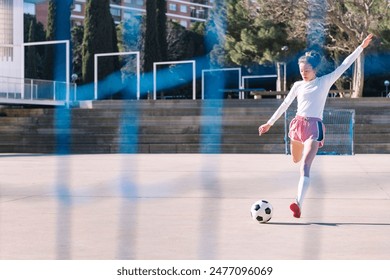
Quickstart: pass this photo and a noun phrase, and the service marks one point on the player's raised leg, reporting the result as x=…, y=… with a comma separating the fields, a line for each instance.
x=296, y=148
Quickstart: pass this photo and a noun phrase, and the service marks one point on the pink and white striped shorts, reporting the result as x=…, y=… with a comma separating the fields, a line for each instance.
x=304, y=128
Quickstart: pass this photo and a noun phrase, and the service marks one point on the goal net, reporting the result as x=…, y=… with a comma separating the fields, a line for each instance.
x=339, y=136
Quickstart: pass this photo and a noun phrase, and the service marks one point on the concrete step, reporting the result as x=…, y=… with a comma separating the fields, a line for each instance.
x=372, y=148
x=177, y=126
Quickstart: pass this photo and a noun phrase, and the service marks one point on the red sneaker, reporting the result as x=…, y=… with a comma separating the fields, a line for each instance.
x=296, y=210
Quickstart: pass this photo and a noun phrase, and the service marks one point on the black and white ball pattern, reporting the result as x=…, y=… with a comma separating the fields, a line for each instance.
x=261, y=211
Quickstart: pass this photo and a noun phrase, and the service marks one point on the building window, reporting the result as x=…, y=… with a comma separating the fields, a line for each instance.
x=183, y=8
x=77, y=8
x=184, y=23
x=172, y=7
x=115, y=12
x=6, y=30
x=126, y=15
x=140, y=2
x=200, y=13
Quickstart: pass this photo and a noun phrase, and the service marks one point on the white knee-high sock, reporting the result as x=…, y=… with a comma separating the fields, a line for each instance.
x=303, y=185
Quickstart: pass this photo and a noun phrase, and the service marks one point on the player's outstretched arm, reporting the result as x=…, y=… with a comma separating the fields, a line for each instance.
x=367, y=41
x=332, y=77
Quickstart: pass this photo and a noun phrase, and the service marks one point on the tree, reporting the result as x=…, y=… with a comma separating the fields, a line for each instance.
x=151, y=49
x=183, y=44
x=215, y=32
x=77, y=46
x=252, y=41
x=34, y=32
x=162, y=29
x=384, y=28
x=294, y=14
x=31, y=70
x=58, y=28
x=62, y=32
x=99, y=37
x=50, y=36
x=38, y=27
x=344, y=24
x=257, y=43
x=198, y=27
x=130, y=34
x=377, y=68
x=130, y=38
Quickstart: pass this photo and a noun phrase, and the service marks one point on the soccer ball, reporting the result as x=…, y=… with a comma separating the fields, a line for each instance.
x=261, y=211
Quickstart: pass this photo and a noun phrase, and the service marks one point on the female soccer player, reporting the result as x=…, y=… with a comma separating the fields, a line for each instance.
x=307, y=131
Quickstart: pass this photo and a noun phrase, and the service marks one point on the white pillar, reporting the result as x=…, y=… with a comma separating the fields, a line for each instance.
x=11, y=60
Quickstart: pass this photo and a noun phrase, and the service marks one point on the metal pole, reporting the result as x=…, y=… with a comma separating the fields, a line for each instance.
x=202, y=84
x=95, y=77
x=138, y=76
x=284, y=77
x=278, y=80
x=154, y=81
x=67, y=73
x=32, y=89
x=387, y=83
x=75, y=92
x=193, y=80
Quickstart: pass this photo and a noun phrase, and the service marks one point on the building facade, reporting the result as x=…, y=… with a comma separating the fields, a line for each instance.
x=11, y=23
x=180, y=11
x=11, y=38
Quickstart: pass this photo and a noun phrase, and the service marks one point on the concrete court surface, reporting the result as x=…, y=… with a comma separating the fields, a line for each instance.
x=191, y=206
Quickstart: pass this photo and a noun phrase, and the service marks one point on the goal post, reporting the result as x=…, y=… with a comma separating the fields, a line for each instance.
x=193, y=64
x=246, y=79
x=222, y=70
x=339, y=135
x=96, y=67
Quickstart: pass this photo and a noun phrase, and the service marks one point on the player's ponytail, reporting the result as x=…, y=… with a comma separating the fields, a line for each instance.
x=312, y=57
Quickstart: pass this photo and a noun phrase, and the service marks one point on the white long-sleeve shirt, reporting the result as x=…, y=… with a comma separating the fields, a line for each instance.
x=311, y=95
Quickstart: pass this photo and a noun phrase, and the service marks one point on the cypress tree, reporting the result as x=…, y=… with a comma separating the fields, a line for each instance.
x=31, y=55
x=162, y=29
x=34, y=32
x=77, y=40
x=99, y=37
x=151, y=46
x=115, y=47
x=50, y=36
x=62, y=32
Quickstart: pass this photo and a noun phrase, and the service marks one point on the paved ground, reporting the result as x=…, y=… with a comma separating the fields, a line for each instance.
x=182, y=206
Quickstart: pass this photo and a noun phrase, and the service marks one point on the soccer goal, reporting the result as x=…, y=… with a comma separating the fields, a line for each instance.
x=257, y=81
x=226, y=82
x=339, y=136
x=96, y=67
x=184, y=78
